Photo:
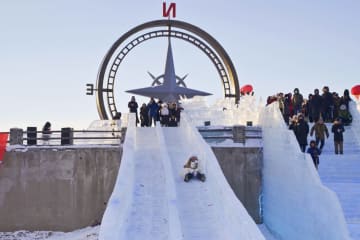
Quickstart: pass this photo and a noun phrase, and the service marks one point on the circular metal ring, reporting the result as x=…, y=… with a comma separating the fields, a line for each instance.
x=216, y=53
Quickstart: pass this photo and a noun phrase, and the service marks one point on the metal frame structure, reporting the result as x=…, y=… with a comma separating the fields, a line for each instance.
x=215, y=52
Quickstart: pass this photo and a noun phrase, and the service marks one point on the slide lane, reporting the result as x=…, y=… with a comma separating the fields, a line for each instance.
x=138, y=206
x=207, y=210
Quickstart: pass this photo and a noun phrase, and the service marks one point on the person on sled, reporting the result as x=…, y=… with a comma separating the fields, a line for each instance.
x=192, y=169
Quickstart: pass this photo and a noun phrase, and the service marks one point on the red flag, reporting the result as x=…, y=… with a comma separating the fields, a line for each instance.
x=3, y=140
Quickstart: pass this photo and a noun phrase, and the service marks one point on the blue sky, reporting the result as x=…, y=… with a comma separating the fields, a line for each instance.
x=49, y=50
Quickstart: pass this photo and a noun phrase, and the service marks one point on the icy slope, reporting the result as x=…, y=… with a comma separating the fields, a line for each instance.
x=151, y=200
x=341, y=173
x=208, y=210
x=296, y=205
x=138, y=205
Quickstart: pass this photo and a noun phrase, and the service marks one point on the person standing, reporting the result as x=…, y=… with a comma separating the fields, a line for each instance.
x=315, y=105
x=297, y=101
x=321, y=131
x=144, y=116
x=338, y=129
x=327, y=105
x=46, y=132
x=133, y=107
x=153, y=111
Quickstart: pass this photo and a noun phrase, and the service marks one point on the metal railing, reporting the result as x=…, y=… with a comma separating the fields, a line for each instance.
x=72, y=137
x=238, y=134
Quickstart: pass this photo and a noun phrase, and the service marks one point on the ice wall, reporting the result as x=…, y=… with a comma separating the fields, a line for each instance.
x=295, y=203
x=121, y=198
x=354, y=107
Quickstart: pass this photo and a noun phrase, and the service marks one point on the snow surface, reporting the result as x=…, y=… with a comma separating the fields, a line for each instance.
x=296, y=205
x=89, y=233
x=341, y=173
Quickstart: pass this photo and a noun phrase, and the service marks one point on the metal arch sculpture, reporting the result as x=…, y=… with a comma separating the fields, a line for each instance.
x=227, y=73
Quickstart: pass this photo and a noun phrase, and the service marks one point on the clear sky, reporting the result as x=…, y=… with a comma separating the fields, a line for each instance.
x=49, y=50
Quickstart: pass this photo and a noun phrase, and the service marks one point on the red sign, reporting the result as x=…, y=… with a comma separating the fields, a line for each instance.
x=170, y=9
x=3, y=140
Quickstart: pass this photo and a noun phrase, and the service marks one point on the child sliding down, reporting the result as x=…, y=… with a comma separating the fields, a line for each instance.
x=192, y=169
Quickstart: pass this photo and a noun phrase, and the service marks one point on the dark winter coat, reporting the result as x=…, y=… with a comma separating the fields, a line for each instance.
x=133, y=106
x=338, y=129
x=327, y=100
x=302, y=131
x=315, y=153
x=315, y=105
x=297, y=100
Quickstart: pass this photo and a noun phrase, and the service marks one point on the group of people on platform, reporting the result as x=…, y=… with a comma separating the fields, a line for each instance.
x=318, y=109
x=328, y=105
x=168, y=114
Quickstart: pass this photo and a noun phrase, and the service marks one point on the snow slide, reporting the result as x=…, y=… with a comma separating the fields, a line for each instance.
x=151, y=201
x=296, y=205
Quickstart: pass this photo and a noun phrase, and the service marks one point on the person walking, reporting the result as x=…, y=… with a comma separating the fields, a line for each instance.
x=301, y=132
x=338, y=129
x=321, y=131
x=315, y=152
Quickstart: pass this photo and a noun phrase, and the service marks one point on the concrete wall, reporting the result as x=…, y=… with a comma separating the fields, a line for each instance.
x=242, y=168
x=56, y=189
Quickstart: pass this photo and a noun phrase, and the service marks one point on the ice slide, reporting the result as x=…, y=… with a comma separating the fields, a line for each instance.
x=296, y=204
x=151, y=201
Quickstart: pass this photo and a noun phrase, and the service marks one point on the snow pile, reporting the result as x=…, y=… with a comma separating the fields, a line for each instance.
x=89, y=233
x=295, y=203
x=224, y=112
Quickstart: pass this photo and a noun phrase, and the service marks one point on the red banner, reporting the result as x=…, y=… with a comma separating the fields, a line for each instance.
x=3, y=140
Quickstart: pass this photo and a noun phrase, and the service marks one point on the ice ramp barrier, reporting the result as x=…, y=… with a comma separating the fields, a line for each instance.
x=296, y=205
x=163, y=211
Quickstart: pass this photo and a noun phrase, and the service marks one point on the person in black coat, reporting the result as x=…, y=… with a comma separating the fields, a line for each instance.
x=144, y=116
x=338, y=129
x=327, y=105
x=345, y=99
x=315, y=105
x=133, y=107
x=301, y=132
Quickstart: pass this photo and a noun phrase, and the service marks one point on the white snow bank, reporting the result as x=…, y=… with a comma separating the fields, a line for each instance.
x=224, y=112
x=295, y=203
x=89, y=233
x=121, y=198
x=354, y=107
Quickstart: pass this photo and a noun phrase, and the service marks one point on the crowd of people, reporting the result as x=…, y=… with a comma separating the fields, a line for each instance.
x=318, y=109
x=168, y=114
